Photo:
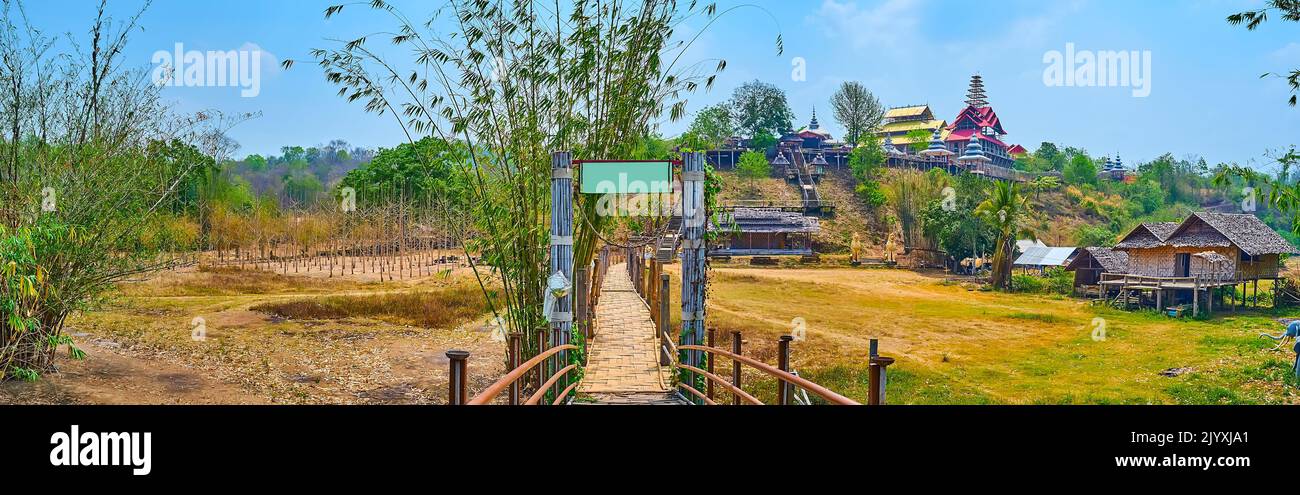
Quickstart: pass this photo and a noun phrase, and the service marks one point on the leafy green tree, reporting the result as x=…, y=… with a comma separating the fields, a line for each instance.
x=1080, y=170
x=760, y=108
x=857, y=110
x=865, y=163
x=653, y=147
x=1146, y=194
x=256, y=163
x=1050, y=155
x=753, y=166
x=763, y=141
x=1282, y=195
x=1094, y=236
x=428, y=167
x=920, y=139
x=953, y=223
x=77, y=198
x=292, y=154
x=711, y=127
x=1007, y=211
x=1043, y=183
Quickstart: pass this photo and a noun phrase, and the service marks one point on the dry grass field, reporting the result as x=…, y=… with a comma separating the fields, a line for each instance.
x=272, y=339
x=956, y=344
x=304, y=339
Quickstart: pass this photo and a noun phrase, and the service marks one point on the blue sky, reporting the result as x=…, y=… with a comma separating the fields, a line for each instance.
x=1206, y=95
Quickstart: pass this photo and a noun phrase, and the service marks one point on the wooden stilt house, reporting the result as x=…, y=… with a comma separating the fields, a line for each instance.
x=1187, y=262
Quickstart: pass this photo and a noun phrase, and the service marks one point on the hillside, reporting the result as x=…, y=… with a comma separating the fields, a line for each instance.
x=851, y=215
x=1057, y=217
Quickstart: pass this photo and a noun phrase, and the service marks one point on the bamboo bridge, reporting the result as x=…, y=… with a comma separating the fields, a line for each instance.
x=620, y=304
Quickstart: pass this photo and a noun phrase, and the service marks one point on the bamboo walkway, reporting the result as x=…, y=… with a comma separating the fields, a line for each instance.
x=623, y=360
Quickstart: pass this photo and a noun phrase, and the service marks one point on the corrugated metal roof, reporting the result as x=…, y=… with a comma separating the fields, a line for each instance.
x=756, y=220
x=912, y=125
x=1045, y=256
x=913, y=111
x=1023, y=245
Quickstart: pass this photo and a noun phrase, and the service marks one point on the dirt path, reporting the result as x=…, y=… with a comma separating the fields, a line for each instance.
x=107, y=377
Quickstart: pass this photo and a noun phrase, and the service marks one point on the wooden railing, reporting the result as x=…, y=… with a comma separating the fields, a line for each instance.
x=657, y=297
x=535, y=368
x=786, y=380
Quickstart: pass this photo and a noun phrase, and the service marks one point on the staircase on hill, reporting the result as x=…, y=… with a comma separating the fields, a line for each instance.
x=812, y=202
x=666, y=245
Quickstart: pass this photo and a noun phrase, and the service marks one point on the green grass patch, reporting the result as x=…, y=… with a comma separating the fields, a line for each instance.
x=1043, y=317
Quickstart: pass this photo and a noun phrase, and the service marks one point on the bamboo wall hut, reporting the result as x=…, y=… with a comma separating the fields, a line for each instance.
x=1091, y=262
x=1218, y=247
x=1191, y=260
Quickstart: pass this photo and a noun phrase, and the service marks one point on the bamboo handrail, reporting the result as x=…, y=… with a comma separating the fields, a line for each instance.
x=499, y=386
x=537, y=396
x=819, y=390
x=717, y=379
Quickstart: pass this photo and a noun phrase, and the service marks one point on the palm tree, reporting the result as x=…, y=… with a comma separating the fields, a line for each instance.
x=1007, y=210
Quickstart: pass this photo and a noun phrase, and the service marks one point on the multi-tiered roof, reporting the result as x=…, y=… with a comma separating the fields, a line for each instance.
x=975, y=96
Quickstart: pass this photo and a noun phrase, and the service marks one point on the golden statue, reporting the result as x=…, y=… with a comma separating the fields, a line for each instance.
x=855, y=250
x=889, y=249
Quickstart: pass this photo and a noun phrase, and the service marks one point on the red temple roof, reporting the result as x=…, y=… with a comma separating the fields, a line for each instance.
x=965, y=134
x=980, y=117
x=1016, y=149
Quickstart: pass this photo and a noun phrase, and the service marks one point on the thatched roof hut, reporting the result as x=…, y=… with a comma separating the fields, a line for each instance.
x=1245, y=231
x=1147, y=235
x=1091, y=262
x=1213, y=246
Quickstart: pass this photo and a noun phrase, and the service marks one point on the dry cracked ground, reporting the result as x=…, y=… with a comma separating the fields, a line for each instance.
x=272, y=339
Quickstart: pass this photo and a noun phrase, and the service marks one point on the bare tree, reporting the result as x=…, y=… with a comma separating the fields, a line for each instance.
x=857, y=110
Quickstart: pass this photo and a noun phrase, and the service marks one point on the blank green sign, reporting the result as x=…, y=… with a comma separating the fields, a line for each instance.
x=626, y=177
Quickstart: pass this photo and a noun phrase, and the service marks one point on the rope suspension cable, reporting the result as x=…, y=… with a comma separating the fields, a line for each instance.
x=657, y=234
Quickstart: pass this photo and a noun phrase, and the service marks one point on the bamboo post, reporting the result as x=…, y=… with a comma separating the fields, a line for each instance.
x=694, y=219
x=735, y=367
x=1196, y=297
x=1160, y=293
x=664, y=325
x=709, y=367
x=562, y=250
x=581, y=302
x=540, y=371
x=456, y=379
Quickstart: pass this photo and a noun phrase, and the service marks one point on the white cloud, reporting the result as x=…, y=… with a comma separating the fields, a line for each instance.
x=1028, y=32
x=888, y=24
x=1288, y=53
